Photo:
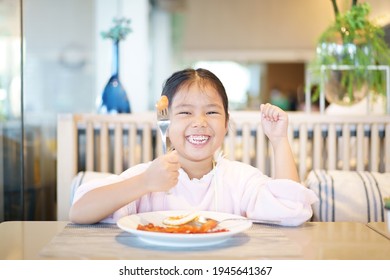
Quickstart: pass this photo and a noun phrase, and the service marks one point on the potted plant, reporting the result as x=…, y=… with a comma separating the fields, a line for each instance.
x=387, y=211
x=349, y=57
x=114, y=97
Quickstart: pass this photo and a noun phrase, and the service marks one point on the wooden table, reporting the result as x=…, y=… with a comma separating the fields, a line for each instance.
x=380, y=228
x=311, y=241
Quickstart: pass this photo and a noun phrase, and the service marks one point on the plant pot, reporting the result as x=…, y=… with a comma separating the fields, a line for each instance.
x=341, y=93
x=345, y=82
x=387, y=219
x=114, y=98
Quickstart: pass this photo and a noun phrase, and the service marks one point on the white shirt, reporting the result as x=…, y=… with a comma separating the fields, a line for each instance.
x=231, y=187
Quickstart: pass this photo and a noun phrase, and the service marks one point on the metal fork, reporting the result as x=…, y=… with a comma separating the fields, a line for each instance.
x=202, y=220
x=163, y=124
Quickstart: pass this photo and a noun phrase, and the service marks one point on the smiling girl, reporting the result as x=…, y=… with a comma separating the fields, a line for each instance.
x=194, y=176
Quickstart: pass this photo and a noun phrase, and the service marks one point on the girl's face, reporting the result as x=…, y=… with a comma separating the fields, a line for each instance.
x=198, y=122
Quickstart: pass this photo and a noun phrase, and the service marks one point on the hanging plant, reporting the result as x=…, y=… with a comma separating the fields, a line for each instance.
x=354, y=42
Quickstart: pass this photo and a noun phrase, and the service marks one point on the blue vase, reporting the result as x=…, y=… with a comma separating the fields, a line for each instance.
x=114, y=98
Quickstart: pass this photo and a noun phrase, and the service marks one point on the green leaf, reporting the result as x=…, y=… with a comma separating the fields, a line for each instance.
x=119, y=30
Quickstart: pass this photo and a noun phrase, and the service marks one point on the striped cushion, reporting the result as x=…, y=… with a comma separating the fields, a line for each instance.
x=349, y=195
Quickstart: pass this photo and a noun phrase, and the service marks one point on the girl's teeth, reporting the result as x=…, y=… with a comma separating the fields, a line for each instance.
x=198, y=139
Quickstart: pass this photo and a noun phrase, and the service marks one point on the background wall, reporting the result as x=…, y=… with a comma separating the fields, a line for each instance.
x=261, y=30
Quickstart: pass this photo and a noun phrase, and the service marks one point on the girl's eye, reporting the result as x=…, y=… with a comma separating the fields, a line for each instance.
x=212, y=113
x=184, y=113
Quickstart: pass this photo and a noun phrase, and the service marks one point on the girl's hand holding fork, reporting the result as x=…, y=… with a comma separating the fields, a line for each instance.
x=163, y=173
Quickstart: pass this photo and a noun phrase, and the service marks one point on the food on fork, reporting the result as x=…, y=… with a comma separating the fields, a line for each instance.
x=162, y=104
x=163, y=120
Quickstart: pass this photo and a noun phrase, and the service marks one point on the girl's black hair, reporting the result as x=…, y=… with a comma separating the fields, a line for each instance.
x=188, y=76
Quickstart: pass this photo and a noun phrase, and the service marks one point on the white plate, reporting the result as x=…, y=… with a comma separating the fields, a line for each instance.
x=130, y=223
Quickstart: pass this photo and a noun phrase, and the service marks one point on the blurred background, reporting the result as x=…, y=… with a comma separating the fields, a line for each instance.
x=53, y=60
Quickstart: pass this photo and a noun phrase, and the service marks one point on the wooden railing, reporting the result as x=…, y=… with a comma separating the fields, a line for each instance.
x=113, y=143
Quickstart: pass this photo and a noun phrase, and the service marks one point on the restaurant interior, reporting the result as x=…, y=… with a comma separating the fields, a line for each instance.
x=54, y=61
x=55, y=133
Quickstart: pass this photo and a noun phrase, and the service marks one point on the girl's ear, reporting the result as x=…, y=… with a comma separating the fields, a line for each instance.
x=227, y=123
x=226, y=127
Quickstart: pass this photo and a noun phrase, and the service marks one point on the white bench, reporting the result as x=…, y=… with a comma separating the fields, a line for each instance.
x=112, y=143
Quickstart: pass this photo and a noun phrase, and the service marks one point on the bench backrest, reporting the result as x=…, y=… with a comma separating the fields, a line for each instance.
x=113, y=143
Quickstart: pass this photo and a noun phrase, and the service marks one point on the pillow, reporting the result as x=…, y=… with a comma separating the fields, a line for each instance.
x=354, y=196
x=83, y=177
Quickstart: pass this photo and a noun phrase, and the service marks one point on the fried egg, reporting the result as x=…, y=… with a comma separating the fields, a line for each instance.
x=180, y=220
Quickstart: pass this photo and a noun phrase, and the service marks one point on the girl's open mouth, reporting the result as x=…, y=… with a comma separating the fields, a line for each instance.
x=198, y=139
